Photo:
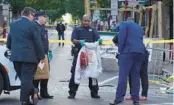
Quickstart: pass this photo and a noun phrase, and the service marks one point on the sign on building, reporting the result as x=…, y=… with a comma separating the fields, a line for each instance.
x=5, y=10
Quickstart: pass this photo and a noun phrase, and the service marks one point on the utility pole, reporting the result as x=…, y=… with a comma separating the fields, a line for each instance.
x=160, y=19
x=87, y=6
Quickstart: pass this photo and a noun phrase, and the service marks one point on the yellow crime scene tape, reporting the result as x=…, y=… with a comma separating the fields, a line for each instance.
x=109, y=42
x=170, y=78
x=1, y=28
x=106, y=42
x=150, y=82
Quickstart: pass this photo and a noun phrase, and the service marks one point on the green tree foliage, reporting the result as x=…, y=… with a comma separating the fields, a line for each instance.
x=16, y=6
x=54, y=8
x=59, y=7
x=104, y=3
x=75, y=8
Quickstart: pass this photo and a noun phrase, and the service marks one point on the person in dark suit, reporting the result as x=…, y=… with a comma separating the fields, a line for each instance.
x=60, y=29
x=143, y=74
x=131, y=49
x=27, y=51
x=40, y=21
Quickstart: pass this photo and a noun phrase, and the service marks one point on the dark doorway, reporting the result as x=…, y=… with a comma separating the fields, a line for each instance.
x=171, y=19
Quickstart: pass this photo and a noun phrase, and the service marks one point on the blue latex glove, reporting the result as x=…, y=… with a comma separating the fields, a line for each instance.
x=82, y=42
x=100, y=41
x=50, y=55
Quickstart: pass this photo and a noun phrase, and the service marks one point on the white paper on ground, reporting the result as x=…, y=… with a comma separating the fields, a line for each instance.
x=41, y=65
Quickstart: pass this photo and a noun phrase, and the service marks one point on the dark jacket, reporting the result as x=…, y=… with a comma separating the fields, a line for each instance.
x=60, y=28
x=25, y=42
x=115, y=39
x=130, y=38
x=44, y=36
x=84, y=33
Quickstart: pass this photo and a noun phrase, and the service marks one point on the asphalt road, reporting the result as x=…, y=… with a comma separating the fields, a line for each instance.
x=58, y=84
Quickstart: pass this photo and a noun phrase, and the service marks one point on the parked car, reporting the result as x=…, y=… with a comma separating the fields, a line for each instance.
x=8, y=78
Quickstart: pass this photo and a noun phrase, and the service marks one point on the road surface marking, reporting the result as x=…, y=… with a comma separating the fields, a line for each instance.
x=107, y=80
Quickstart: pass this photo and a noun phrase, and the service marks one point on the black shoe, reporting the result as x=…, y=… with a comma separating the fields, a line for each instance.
x=24, y=103
x=71, y=97
x=47, y=96
x=116, y=102
x=136, y=103
x=44, y=94
x=30, y=103
x=95, y=96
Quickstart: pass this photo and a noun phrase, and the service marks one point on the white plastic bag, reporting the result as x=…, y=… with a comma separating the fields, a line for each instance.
x=94, y=67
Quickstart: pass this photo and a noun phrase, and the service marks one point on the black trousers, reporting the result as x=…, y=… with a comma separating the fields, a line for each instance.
x=25, y=72
x=43, y=86
x=143, y=76
x=93, y=83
